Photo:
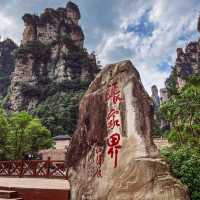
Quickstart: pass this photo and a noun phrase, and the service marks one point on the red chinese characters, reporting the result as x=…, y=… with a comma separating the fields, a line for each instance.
x=113, y=93
x=99, y=161
x=111, y=119
x=113, y=143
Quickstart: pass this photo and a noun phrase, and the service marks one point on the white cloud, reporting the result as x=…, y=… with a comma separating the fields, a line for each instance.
x=6, y=23
x=172, y=21
x=119, y=41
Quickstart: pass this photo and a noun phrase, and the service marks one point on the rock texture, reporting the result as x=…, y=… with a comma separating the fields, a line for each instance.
x=155, y=96
x=51, y=53
x=53, y=24
x=116, y=110
x=163, y=95
x=187, y=63
x=7, y=48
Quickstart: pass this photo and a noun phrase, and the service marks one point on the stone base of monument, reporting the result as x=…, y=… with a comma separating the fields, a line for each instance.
x=36, y=188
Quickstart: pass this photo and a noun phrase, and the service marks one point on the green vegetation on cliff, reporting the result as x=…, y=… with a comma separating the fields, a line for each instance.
x=170, y=83
x=59, y=110
x=36, y=48
x=58, y=98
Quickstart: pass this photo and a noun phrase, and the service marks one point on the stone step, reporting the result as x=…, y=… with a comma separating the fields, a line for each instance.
x=11, y=198
x=7, y=194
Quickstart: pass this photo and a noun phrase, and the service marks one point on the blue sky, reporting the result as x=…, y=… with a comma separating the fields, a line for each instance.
x=144, y=31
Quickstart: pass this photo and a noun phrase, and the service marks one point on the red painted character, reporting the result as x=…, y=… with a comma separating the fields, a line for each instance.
x=98, y=173
x=113, y=143
x=99, y=161
x=111, y=121
x=99, y=157
x=113, y=93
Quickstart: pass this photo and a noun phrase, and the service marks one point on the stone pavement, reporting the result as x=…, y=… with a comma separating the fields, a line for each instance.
x=38, y=183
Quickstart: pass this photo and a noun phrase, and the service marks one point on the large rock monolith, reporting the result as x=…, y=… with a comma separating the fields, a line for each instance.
x=112, y=155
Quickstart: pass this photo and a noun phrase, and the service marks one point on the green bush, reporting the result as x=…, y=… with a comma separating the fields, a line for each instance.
x=185, y=165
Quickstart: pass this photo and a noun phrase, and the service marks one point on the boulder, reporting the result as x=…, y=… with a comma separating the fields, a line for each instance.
x=112, y=155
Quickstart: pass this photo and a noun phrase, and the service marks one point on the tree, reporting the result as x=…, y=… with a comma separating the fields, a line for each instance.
x=183, y=113
x=4, y=129
x=38, y=136
x=22, y=134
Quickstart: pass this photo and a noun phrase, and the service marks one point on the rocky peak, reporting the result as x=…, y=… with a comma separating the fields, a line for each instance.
x=73, y=12
x=155, y=96
x=51, y=53
x=198, y=24
x=7, y=48
x=52, y=24
x=163, y=95
x=187, y=62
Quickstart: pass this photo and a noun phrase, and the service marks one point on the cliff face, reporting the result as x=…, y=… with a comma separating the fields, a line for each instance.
x=187, y=63
x=111, y=155
x=53, y=24
x=7, y=48
x=51, y=53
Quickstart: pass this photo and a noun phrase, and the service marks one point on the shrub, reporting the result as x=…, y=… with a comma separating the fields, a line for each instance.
x=185, y=165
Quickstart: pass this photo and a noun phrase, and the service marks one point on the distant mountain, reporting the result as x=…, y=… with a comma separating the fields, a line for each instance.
x=187, y=63
x=7, y=48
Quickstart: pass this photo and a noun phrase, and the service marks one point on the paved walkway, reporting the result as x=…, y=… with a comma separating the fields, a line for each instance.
x=39, y=183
